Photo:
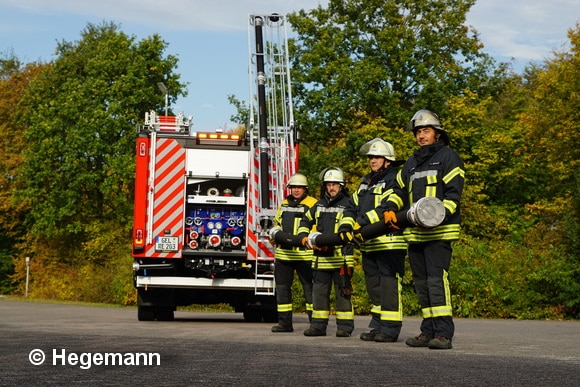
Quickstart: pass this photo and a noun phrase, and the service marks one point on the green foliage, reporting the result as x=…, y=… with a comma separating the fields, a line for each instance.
x=382, y=59
x=80, y=129
x=75, y=181
x=15, y=78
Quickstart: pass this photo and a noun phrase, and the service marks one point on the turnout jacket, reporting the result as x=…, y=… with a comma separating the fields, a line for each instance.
x=373, y=190
x=330, y=216
x=288, y=218
x=436, y=171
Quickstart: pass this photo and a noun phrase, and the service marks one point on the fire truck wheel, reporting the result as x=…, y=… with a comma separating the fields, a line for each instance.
x=145, y=313
x=252, y=315
x=270, y=316
x=164, y=314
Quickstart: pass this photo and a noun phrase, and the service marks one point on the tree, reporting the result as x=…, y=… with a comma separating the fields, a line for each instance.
x=361, y=60
x=80, y=130
x=79, y=126
x=14, y=80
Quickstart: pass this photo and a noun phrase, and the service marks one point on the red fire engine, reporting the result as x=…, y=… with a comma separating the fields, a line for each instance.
x=204, y=200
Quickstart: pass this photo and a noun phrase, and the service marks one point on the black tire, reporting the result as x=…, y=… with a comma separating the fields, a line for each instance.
x=145, y=313
x=252, y=315
x=270, y=316
x=164, y=314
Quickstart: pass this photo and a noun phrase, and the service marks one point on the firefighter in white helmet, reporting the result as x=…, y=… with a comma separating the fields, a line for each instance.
x=383, y=257
x=434, y=170
x=333, y=213
x=291, y=258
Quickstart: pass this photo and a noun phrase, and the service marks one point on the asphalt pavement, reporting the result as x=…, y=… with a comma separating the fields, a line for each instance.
x=65, y=344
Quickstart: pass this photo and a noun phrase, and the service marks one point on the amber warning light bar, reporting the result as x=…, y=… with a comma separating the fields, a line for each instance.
x=218, y=138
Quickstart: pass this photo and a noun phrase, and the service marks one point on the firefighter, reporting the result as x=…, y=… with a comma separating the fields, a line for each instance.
x=332, y=214
x=289, y=258
x=383, y=257
x=436, y=171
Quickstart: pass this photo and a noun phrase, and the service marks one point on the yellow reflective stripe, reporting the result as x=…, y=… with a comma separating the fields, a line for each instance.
x=345, y=315
x=284, y=308
x=308, y=307
x=376, y=309
x=447, y=290
x=391, y=315
x=448, y=232
x=431, y=190
x=443, y=310
x=385, y=242
x=373, y=216
x=293, y=255
x=400, y=179
x=321, y=314
x=437, y=311
x=452, y=174
x=450, y=205
x=349, y=221
x=395, y=315
x=396, y=200
x=383, y=196
x=329, y=263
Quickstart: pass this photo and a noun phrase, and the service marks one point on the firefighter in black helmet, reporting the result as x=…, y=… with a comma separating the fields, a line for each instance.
x=291, y=258
x=433, y=171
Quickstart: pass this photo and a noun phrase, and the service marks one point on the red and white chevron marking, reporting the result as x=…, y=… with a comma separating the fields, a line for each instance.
x=169, y=194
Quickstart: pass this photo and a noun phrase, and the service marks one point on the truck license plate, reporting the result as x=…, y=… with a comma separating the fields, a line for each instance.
x=166, y=243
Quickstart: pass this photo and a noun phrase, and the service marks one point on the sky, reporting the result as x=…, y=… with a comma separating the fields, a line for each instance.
x=210, y=37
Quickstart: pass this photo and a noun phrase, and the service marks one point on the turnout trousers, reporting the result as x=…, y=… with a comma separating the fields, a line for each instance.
x=284, y=276
x=323, y=281
x=430, y=266
x=384, y=271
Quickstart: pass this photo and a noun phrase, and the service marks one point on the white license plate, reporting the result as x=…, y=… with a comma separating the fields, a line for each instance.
x=166, y=243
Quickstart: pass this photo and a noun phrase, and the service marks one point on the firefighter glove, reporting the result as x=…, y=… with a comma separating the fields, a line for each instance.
x=357, y=238
x=391, y=220
x=349, y=237
x=304, y=242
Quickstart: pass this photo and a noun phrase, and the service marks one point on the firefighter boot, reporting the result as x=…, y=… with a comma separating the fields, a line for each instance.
x=314, y=332
x=282, y=328
x=342, y=333
x=440, y=342
x=418, y=341
x=369, y=336
x=385, y=338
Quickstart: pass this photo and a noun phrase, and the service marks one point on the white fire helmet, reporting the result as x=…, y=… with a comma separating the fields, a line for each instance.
x=332, y=175
x=378, y=147
x=425, y=118
x=297, y=180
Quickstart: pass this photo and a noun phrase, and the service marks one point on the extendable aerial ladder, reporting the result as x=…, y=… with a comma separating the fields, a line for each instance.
x=273, y=135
